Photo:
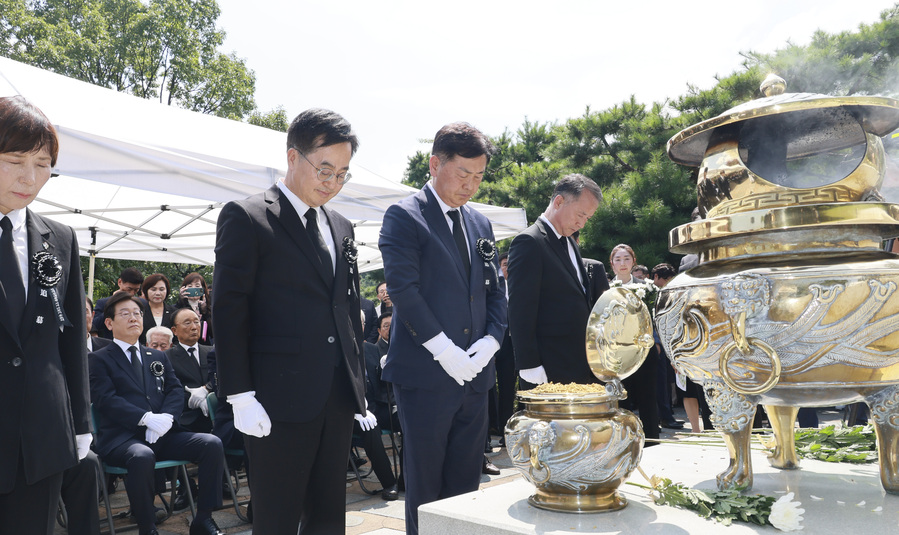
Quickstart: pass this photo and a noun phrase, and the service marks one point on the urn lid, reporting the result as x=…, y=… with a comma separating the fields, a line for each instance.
x=841, y=115
x=619, y=334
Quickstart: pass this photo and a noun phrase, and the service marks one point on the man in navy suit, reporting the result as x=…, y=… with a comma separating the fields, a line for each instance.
x=138, y=400
x=45, y=419
x=448, y=318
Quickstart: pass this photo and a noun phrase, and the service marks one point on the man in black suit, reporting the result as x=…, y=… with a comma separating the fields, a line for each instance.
x=93, y=342
x=130, y=280
x=289, y=331
x=370, y=327
x=549, y=301
x=189, y=358
x=377, y=391
x=441, y=271
x=45, y=419
x=138, y=401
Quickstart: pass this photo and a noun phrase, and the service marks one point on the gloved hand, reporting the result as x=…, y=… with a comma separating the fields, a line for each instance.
x=83, y=444
x=367, y=422
x=198, y=399
x=536, y=375
x=151, y=436
x=250, y=417
x=482, y=351
x=159, y=423
x=452, y=358
x=383, y=361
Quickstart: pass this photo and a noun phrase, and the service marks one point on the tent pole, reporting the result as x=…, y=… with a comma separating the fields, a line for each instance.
x=90, y=277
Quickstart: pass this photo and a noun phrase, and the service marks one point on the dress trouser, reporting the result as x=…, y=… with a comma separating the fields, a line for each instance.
x=299, y=469
x=443, y=444
x=79, y=495
x=28, y=508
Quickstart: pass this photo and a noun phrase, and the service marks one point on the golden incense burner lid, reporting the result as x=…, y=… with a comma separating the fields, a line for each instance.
x=876, y=115
x=619, y=334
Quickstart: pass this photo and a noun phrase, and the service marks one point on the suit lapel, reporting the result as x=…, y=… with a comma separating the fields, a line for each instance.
x=340, y=229
x=290, y=221
x=123, y=361
x=556, y=246
x=38, y=240
x=581, y=268
x=437, y=222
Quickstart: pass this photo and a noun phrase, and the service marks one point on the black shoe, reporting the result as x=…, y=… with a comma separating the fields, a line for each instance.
x=390, y=493
x=489, y=468
x=673, y=424
x=206, y=526
x=250, y=511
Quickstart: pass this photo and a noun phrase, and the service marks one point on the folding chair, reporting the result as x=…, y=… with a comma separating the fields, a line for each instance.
x=212, y=402
x=170, y=504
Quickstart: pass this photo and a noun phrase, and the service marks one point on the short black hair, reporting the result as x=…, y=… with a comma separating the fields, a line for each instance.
x=382, y=283
x=132, y=276
x=571, y=186
x=502, y=257
x=318, y=127
x=90, y=302
x=461, y=139
x=664, y=270
x=178, y=312
x=383, y=315
x=118, y=297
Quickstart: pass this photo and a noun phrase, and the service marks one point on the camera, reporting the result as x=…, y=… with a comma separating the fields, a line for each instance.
x=194, y=292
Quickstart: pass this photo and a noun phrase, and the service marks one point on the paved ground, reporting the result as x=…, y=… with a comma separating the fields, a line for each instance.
x=366, y=514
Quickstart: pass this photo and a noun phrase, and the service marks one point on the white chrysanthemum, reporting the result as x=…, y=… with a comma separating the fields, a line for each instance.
x=641, y=293
x=786, y=515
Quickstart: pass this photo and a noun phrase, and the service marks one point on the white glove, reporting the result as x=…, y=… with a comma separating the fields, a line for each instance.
x=83, y=444
x=152, y=436
x=250, y=417
x=383, y=361
x=198, y=399
x=482, y=351
x=367, y=422
x=453, y=358
x=536, y=375
x=159, y=423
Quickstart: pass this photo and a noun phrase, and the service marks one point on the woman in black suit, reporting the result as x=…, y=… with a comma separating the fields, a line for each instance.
x=200, y=304
x=157, y=312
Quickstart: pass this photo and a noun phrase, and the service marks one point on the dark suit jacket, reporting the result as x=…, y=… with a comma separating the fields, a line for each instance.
x=99, y=325
x=370, y=328
x=149, y=322
x=431, y=292
x=284, y=326
x=44, y=382
x=376, y=390
x=548, y=306
x=121, y=401
x=599, y=279
x=191, y=374
x=98, y=343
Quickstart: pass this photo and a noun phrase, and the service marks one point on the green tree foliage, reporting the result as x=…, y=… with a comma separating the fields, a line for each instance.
x=623, y=148
x=273, y=120
x=106, y=274
x=159, y=49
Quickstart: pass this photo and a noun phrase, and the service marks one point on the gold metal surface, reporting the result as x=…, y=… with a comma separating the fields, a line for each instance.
x=878, y=115
x=793, y=302
x=619, y=334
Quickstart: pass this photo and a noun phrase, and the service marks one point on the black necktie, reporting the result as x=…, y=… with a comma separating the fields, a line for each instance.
x=190, y=351
x=11, y=275
x=135, y=365
x=317, y=240
x=459, y=238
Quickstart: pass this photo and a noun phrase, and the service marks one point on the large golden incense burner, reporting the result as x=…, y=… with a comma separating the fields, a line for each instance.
x=572, y=441
x=794, y=301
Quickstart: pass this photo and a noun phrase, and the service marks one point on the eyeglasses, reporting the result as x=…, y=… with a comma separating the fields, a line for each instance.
x=127, y=314
x=325, y=174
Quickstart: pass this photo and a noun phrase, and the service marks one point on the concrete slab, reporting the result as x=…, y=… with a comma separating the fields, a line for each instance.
x=837, y=498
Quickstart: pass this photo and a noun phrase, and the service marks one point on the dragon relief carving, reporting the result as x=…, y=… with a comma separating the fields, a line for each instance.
x=579, y=467
x=693, y=342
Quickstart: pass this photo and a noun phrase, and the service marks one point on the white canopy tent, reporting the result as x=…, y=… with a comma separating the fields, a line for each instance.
x=140, y=180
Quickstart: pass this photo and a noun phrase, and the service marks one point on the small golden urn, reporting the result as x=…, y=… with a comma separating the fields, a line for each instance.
x=574, y=444
x=793, y=302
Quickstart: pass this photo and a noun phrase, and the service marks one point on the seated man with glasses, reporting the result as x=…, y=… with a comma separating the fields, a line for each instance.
x=139, y=399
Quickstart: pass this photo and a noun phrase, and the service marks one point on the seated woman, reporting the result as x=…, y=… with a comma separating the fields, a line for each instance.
x=157, y=313
x=195, y=295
